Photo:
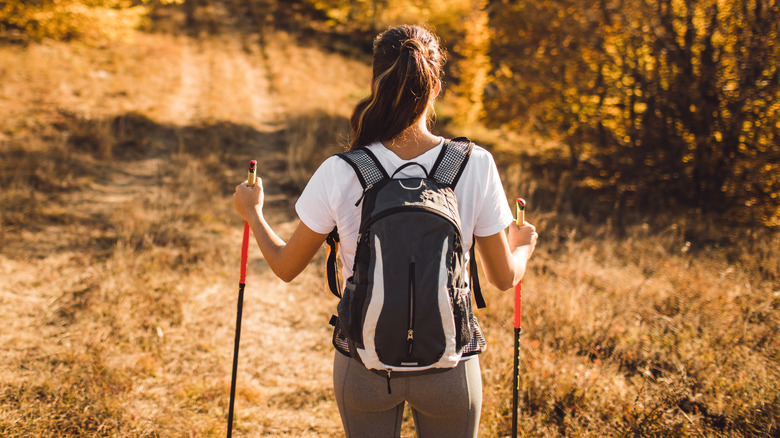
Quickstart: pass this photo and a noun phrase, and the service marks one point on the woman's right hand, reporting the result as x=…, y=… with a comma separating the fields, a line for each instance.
x=248, y=200
x=504, y=254
x=522, y=236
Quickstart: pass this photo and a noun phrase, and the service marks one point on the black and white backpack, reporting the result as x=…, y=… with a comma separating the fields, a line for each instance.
x=407, y=307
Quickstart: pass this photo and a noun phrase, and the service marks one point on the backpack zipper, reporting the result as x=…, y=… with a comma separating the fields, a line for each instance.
x=388, y=381
x=410, y=331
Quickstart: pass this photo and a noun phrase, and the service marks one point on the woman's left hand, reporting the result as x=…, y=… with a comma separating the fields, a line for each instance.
x=248, y=201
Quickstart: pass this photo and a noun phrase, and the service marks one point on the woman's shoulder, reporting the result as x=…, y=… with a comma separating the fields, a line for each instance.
x=333, y=173
x=479, y=151
x=480, y=156
x=332, y=164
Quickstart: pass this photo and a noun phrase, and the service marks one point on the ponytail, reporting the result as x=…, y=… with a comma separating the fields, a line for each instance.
x=407, y=66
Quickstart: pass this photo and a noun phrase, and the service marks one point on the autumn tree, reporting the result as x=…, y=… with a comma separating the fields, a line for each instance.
x=671, y=98
x=472, y=65
x=91, y=20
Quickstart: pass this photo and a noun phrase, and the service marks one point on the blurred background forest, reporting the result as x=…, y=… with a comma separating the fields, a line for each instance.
x=663, y=104
x=644, y=134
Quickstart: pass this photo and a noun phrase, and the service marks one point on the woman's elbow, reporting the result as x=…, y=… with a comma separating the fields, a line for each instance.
x=502, y=282
x=507, y=279
x=287, y=278
x=286, y=274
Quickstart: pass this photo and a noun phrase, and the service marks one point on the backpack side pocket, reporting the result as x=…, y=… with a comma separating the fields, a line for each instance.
x=462, y=312
x=350, y=309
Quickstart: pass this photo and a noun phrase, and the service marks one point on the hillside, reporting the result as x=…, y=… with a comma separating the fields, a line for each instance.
x=119, y=256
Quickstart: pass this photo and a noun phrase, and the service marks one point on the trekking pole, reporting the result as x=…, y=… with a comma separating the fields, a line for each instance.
x=520, y=207
x=252, y=178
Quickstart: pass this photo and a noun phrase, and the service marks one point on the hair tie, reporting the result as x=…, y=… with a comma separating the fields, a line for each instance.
x=413, y=46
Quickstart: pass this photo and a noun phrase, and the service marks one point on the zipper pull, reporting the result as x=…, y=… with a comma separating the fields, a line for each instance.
x=364, y=194
x=410, y=335
x=388, y=381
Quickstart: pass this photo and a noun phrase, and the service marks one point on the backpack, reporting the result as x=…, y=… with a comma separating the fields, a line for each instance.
x=407, y=307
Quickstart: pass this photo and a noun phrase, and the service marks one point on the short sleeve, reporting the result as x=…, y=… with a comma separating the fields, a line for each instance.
x=314, y=205
x=494, y=214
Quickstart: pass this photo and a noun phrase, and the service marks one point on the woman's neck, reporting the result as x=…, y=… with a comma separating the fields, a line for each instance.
x=413, y=141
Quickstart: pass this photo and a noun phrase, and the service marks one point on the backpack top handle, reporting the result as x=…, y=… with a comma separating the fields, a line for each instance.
x=411, y=163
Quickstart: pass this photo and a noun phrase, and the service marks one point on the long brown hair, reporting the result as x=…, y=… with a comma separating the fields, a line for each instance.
x=407, y=64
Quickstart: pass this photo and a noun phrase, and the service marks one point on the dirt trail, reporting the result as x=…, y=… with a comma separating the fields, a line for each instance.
x=285, y=357
x=180, y=375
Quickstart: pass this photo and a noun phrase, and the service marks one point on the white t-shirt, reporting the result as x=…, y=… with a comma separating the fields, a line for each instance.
x=331, y=194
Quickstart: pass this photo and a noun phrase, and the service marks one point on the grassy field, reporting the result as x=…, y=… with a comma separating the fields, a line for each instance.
x=119, y=263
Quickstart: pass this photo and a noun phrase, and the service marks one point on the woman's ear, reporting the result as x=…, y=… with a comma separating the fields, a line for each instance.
x=437, y=88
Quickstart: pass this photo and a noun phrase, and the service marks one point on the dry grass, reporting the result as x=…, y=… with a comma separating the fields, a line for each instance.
x=642, y=336
x=119, y=251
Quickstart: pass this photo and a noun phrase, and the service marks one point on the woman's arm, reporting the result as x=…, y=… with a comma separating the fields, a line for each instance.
x=504, y=255
x=286, y=259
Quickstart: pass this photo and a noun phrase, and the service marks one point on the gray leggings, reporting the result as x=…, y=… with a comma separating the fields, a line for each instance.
x=445, y=404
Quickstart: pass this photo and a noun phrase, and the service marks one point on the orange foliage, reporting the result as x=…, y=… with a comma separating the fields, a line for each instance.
x=675, y=99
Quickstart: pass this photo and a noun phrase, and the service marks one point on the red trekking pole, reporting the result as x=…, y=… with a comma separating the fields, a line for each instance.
x=520, y=206
x=251, y=178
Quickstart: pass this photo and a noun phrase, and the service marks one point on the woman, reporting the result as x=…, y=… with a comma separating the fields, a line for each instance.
x=392, y=123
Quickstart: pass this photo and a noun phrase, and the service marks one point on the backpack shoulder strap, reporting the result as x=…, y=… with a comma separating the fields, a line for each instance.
x=366, y=166
x=452, y=160
x=369, y=171
x=447, y=169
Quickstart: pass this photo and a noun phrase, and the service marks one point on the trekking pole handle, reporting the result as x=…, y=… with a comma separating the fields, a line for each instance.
x=252, y=176
x=520, y=208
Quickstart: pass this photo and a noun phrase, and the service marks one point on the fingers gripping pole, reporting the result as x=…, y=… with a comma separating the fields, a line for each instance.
x=520, y=207
x=252, y=180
